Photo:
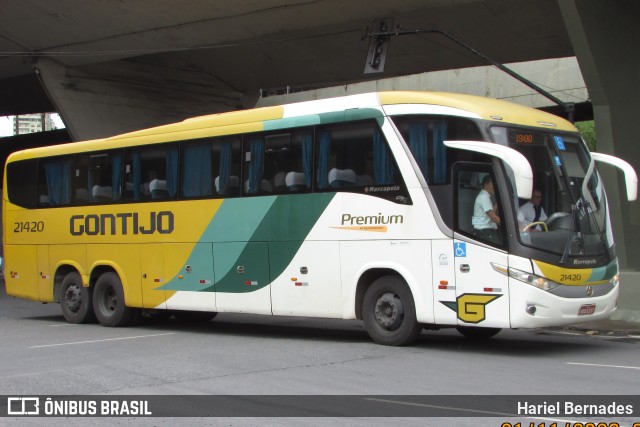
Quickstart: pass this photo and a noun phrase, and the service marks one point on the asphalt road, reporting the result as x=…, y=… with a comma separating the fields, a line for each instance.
x=258, y=355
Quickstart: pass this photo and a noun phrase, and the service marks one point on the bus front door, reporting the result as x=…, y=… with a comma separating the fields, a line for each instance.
x=481, y=291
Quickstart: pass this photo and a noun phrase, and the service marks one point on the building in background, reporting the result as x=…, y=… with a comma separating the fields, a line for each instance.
x=31, y=123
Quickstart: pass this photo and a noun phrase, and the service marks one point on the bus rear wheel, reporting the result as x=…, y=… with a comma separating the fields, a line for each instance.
x=108, y=302
x=389, y=312
x=76, y=300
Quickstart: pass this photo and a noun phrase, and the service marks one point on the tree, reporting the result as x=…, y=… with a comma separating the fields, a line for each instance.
x=588, y=132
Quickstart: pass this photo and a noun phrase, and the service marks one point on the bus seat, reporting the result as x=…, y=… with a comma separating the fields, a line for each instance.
x=82, y=195
x=265, y=187
x=296, y=181
x=100, y=193
x=158, y=189
x=128, y=189
x=341, y=178
x=233, y=185
x=279, y=183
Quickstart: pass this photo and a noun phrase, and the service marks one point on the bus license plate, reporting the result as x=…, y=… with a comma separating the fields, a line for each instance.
x=587, y=309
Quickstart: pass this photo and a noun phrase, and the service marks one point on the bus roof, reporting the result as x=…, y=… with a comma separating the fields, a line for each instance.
x=252, y=120
x=485, y=108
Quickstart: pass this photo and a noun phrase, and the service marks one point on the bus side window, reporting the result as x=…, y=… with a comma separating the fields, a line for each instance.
x=151, y=173
x=98, y=177
x=299, y=175
x=54, y=186
x=196, y=171
x=255, y=180
x=288, y=160
x=356, y=158
x=22, y=183
x=425, y=136
x=476, y=200
x=226, y=166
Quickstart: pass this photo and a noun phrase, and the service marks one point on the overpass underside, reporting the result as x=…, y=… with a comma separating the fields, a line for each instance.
x=312, y=44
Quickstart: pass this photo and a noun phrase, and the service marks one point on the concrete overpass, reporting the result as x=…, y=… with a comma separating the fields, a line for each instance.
x=111, y=67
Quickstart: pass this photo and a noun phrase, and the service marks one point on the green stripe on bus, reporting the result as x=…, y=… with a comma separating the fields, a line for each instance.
x=243, y=234
x=323, y=118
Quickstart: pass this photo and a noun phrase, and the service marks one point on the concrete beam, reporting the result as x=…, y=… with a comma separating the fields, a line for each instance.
x=560, y=76
x=116, y=97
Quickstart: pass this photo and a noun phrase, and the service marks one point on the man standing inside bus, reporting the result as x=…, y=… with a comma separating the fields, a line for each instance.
x=485, y=219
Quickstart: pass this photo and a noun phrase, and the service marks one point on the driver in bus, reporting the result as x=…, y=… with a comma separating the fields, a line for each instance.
x=485, y=219
x=532, y=211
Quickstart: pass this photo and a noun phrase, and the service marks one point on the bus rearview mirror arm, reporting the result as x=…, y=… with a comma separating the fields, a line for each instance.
x=630, y=176
x=517, y=162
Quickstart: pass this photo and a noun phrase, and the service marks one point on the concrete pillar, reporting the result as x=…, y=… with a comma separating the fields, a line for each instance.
x=605, y=37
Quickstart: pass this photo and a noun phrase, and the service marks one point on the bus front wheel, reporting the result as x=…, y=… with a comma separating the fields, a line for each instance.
x=75, y=300
x=108, y=302
x=389, y=312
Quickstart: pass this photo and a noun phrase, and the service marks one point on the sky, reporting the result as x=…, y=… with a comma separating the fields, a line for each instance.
x=6, y=124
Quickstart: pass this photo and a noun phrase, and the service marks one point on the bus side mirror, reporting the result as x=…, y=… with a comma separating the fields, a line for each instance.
x=630, y=176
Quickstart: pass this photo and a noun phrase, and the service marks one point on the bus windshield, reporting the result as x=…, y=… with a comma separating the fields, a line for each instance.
x=567, y=213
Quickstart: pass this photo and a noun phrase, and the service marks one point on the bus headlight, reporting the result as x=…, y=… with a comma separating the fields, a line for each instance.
x=528, y=278
x=615, y=280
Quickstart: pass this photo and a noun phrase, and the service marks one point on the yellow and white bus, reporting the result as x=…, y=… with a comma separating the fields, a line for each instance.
x=359, y=207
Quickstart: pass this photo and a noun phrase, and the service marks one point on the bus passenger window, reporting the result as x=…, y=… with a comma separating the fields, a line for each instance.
x=98, y=177
x=226, y=166
x=54, y=187
x=425, y=136
x=254, y=166
x=356, y=158
x=288, y=161
x=196, y=176
x=151, y=173
x=22, y=184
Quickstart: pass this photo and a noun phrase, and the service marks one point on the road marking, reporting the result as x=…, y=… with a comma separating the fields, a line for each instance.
x=106, y=339
x=604, y=366
x=477, y=411
x=425, y=405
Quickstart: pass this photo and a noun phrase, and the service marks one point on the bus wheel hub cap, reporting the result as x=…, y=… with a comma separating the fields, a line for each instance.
x=389, y=311
x=72, y=298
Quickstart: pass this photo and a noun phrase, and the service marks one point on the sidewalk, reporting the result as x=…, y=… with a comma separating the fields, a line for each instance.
x=607, y=327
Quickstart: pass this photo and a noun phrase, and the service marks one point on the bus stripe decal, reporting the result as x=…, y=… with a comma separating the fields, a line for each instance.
x=277, y=219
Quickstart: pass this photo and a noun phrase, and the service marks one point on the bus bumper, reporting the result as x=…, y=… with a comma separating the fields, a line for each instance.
x=531, y=307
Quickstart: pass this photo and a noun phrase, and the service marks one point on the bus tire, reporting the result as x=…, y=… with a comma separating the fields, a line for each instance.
x=476, y=333
x=389, y=312
x=76, y=300
x=108, y=302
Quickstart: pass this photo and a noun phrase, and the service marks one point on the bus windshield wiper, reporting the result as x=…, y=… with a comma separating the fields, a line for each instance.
x=569, y=242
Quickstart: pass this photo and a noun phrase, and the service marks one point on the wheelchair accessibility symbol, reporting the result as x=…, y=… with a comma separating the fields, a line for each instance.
x=460, y=250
